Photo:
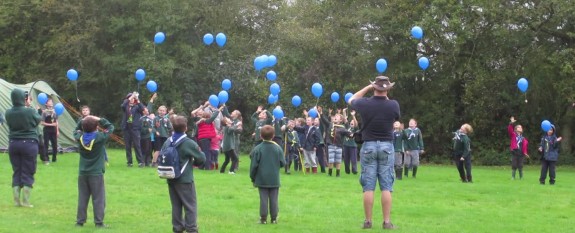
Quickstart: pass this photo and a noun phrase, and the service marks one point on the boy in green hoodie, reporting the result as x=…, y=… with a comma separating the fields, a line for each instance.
x=267, y=159
x=92, y=168
x=183, y=189
x=22, y=122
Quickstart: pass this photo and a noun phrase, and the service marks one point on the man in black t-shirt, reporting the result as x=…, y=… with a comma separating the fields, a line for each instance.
x=377, y=154
x=51, y=132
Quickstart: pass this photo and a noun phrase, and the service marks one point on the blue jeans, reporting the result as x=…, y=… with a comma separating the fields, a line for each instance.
x=377, y=160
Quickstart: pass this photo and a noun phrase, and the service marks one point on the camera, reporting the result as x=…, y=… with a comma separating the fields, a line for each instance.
x=26, y=95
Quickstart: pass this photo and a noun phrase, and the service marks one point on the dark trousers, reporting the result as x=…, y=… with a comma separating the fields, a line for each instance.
x=320, y=154
x=205, y=144
x=464, y=168
x=50, y=138
x=350, y=156
x=91, y=186
x=146, y=145
x=23, y=155
x=517, y=162
x=183, y=199
x=132, y=139
x=43, y=156
x=230, y=155
x=547, y=165
x=269, y=196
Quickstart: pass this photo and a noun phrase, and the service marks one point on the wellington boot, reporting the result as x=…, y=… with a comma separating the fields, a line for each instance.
x=314, y=170
x=16, y=192
x=306, y=170
x=26, y=191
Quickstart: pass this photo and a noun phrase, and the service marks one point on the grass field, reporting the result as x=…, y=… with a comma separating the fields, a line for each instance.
x=137, y=201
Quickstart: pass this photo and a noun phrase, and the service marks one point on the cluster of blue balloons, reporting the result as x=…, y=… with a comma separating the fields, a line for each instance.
x=59, y=109
x=381, y=65
x=72, y=75
x=522, y=84
x=159, y=38
x=265, y=61
x=221, y=39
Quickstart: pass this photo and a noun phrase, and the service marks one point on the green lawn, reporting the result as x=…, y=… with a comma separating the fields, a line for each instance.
x=137, y=201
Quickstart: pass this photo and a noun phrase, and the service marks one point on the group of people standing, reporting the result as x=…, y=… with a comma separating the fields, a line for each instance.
x=388, y=151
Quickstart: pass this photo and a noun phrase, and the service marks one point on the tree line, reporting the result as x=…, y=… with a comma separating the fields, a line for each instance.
x=477, y=50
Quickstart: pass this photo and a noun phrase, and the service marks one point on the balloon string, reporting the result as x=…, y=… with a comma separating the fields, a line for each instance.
x=76, y=87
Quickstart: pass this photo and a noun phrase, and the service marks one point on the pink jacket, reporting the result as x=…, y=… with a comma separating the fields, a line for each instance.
x=513, y=137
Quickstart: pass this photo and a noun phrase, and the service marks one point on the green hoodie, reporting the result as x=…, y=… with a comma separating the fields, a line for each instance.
x=21, y=120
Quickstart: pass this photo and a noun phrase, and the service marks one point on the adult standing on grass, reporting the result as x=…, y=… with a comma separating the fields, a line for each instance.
x=22, y=124
x=377, y=155
x=92, y=168
x=131, y=126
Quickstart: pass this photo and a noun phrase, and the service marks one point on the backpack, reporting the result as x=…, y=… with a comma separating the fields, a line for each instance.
x=169, y=160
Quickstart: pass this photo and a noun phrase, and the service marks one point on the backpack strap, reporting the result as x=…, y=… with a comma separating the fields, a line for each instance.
x=179, y=141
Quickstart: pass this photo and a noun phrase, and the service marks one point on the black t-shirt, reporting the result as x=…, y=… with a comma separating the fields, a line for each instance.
x=379, y=113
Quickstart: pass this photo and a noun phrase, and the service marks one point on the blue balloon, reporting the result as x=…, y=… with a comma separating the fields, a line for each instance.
x=265, y=59
x=312, y=113
x=275, y=89
x=42, y=98
x=272, y=99
x=140, y=74
x=296, y=101
x=259, y=63
x=417, y=32
x=334, y=97
x=316, y=90
x=271, y=75
x=423, y=63
x=546, y=125
x=221, y=39
x=278, y=113
x=152, y=86
x=72, y=75
x=272, y=60
x=223, y=97
x=522, y=84
x=214, y=101
x=208, y=39
x=347, y=96
x=381, y=65
x=159, y=38
x=226, y=84
x=59, y=109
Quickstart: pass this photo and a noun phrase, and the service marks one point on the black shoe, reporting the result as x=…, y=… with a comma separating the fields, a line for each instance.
x=79, y=224
x=140, y=165
x=101, y=225
x=274, y=221
x=130, y=165
x=263, y=221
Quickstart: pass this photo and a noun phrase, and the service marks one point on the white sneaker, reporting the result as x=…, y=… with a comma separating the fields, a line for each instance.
x=231, y=173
